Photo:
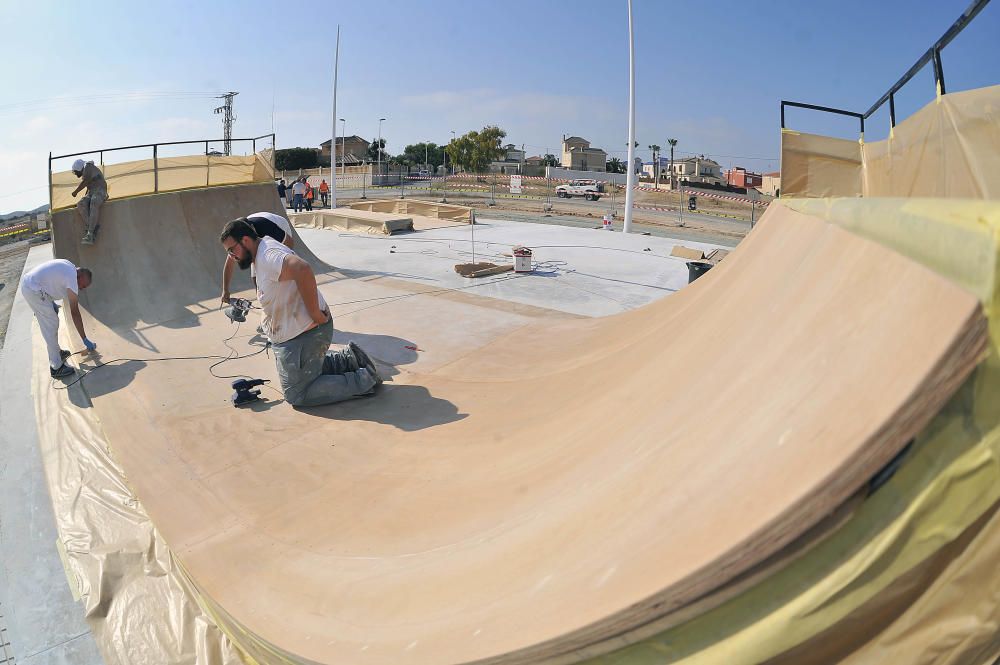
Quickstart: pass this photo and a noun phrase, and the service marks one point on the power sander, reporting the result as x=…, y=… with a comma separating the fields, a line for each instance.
x=237, y=310
x=244, y=394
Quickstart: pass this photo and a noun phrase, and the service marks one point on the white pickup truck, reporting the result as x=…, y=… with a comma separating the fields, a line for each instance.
x=588, y=189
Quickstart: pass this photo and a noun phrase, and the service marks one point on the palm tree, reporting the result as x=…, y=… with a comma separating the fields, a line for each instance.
x=656, y=164
x=672, y=143
x=615, y=165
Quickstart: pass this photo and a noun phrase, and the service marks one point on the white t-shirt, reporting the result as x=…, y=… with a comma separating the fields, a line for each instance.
x=285, y=313
x=299, y=188
x=52, y=278
x=281, y=222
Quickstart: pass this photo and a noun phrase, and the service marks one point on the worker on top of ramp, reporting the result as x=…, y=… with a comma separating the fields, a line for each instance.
x=42, y=287
x=299, y=323
x=89, y=206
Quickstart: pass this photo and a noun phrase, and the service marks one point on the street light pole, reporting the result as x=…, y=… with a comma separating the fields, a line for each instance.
x=379, y=144
x=333, y=139
x=630, y=178
x=343, y=150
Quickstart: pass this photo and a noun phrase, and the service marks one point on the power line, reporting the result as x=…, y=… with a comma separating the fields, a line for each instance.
x=87, y=100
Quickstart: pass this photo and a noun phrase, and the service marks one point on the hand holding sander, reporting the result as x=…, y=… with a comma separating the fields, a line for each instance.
x=237, y=310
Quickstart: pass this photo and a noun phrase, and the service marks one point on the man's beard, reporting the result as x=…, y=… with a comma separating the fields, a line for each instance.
x=245, y=262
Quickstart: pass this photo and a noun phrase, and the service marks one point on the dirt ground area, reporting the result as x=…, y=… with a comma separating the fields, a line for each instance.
x=12, y=259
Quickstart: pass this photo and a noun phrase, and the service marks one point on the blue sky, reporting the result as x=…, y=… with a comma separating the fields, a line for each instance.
x=709, y=74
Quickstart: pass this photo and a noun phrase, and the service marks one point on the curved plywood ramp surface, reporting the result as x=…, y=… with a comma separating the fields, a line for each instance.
x=557, y=489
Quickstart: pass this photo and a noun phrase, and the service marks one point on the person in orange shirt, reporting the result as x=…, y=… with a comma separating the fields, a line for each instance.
x=324, y=192
x=309, y=196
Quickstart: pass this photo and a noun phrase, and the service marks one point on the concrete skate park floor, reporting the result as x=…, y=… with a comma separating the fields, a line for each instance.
x=582, y=272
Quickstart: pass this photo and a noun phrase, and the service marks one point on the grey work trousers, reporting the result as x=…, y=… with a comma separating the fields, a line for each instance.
x=312, y=375
x=90, y=208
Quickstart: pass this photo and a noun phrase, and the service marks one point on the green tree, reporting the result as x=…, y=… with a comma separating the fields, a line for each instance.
x=291, y=159
x=615, y=165
x=373, y=150
x=416, y=153
x=656, y=162
x=475, y=150
x=550, y=160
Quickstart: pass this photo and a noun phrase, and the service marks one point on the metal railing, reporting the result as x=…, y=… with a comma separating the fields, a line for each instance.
x=156, y=147
x=932, y=55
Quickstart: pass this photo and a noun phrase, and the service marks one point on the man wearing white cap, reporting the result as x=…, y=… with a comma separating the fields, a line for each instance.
x=42, y=287
x=89, y=206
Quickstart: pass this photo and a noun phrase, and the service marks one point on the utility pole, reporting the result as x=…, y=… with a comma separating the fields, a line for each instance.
x=343, y=151
x=333, y=123
x=379, y=144
x=227, y=120
x=630, y=177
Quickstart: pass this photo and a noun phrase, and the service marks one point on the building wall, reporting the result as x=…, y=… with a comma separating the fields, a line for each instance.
x=770, y=185
x=560, y=173
x=569, y=145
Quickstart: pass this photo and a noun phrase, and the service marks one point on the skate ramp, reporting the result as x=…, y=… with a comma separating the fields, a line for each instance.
x=548, y=495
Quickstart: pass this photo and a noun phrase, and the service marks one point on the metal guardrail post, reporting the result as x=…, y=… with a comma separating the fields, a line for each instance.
x=938, y=72
x=156, y=172
x=50, y=185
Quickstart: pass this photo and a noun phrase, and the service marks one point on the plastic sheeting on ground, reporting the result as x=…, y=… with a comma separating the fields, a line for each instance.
x=167, y=174
x=137, y=601
x=948, y=149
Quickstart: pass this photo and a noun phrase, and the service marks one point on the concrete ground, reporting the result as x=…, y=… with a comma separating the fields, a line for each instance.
x=581, y=271
x=578, y=271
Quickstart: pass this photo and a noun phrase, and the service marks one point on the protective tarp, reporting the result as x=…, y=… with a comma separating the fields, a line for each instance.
x=166, y=174
x=948, y=149
x=911, y=577
x=137, y=602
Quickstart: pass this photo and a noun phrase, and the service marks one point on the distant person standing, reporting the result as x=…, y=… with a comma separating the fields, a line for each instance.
x=42, y=287
x=283, y=193
x=309, y=195
x=324, y=192
x=89, y=206
x=298, y=195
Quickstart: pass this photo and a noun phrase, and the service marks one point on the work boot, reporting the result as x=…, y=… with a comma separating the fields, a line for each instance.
x=88, y=238
x=61, y=371
x=64, y=354
x=365, y=361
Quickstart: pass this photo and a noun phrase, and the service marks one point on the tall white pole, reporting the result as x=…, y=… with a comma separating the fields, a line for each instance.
x=380, y=148
x=630, y=178
x=343, y=150
x=333, y=139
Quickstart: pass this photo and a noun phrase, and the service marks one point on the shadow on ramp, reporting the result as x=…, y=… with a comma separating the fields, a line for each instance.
x=107, y=379
x=408, y=408
x=389, y=351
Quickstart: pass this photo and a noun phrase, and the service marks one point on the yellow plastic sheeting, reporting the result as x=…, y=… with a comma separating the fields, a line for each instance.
x=136, y=599
x=834, y=599
x=166, y=174
x=948, y=149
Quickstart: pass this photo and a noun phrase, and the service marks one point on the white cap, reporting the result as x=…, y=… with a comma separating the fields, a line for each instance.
x=78, y=165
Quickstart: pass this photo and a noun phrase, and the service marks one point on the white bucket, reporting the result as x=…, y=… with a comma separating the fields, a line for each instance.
x=522, y=259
